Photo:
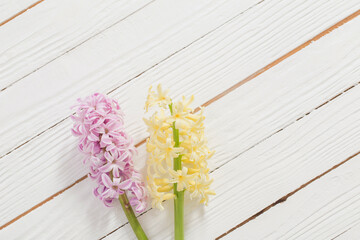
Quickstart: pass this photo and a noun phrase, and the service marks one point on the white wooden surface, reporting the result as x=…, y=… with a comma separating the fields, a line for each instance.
x=292, y=112
x=9, y=9
x=326, y=209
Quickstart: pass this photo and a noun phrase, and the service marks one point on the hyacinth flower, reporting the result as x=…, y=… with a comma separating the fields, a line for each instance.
x=109, y=151
x=177, y=154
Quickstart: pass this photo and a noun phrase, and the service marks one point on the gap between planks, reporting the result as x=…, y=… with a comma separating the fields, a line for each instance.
x=214, y=99
x=21, y=12
x=67, y=51
x=284, y=198
x=129, y=80
x=38, y=68
x=217, y=97
x=255, y=74
x=340, y=234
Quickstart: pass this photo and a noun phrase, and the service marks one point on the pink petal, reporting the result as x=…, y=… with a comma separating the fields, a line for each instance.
x=106, y=168
x=106, y=180
x=125, y=184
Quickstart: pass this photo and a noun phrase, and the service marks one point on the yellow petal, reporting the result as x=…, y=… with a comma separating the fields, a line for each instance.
x=161, y=181
x=193, y=170
x=165, y=188
x=168, y=196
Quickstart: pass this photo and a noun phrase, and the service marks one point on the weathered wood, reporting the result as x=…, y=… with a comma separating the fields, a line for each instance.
x=257, y=36
x=103, y=63
x=351, y=233
x=246, y=180
x=327, y=208
x=10, y=9
x=53, y=28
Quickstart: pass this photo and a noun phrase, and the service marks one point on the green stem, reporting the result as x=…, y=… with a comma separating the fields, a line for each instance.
x=134, y=223
x=179, y=214
x=179, y=195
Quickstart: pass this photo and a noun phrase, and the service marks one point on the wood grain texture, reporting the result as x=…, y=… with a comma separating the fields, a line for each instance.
x=88, y=68
x=268, y=171
x=54, y=28
x=242, y=172
x=10, y=9
x=351, y=233
x=325, y=209
x=51, y=152
x=105, y=62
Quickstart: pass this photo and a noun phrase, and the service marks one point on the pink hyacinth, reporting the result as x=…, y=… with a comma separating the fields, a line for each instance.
x=98, y=123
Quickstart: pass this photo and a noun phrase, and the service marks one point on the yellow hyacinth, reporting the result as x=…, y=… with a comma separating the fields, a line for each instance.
x=177, y=148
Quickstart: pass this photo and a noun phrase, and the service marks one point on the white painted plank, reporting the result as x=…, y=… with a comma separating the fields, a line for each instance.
x=60, y=141
x=323, y=210
x=12, y=7
x=298, y=145
x=59, y=146
x=106, y=61
x=51, y=29
x=271, y=169
x=55, y=163
x=352, y=233
x=254, y=39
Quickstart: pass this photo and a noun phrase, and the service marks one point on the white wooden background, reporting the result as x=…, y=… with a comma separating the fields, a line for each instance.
x=279, y=81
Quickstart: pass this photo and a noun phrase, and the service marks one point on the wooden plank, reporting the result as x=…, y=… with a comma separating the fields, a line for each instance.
x=258, y=118
x=44, y=151
x=53, y=28
x=9, y=9
x=107, y=61
x=323, y=210
x=269, y=171
x=103, y=64
x=351, y=233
